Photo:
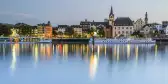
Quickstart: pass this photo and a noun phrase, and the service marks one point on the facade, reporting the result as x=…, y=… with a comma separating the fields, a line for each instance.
x=166, y=30
x=108, y=31
x=62, y=28
x=34, y=31
x=138, y=24
x=158, y=27
x=44, y=30
x=123, y=26
x=165, y=23
x=77, y=29
x=48, y=31
x=146, y=29
x=41, y=31
x=86, y=25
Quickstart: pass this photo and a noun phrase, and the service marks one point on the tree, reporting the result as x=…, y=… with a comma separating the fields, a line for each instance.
x=54, y=33
x=24, y=29
x=60, y=33
x=101, y=32
x=5, y=30
x=69, y=31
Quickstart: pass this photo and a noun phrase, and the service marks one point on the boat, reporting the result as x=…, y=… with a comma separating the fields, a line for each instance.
x=122, y=41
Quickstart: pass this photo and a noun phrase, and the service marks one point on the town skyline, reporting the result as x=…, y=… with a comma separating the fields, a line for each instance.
x=72, y=12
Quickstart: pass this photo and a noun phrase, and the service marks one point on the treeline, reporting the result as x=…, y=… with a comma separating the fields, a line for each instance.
x=22, y=29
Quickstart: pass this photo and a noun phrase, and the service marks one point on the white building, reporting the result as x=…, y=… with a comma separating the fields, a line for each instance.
x=77, y=29
x=139, y=24
x=166, y=30
x=62, y=28
x=146, y=29
x=158, y=27
x=123, y=26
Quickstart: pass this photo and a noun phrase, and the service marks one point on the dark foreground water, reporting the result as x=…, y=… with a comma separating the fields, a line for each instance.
x=83, y=64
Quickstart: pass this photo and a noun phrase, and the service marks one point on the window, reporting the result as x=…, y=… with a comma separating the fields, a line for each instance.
x=126, y=32
x=122, y=27
x=118, y=32
x=122, y=32
x=130, y=32
x=130, y=27
x=115, y=27
x=127, y=27
x=118, y=27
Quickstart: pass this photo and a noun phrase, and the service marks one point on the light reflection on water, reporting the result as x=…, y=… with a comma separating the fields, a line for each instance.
x=121, y=60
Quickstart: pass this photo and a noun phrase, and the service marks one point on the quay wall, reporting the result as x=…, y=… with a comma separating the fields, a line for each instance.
x=70, y=40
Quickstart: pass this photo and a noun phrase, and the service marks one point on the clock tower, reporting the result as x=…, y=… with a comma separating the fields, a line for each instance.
x=111, y=17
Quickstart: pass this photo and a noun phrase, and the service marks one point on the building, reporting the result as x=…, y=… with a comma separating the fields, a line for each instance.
x=146, y=29
x=86, y=25
x=77, y=29
x=123, y=26
x=108, y=31
x=44, y=30
x=62, y=28
x=138, y=24
x=112, y=27
x=166, y=30
x=158, y=27
x=34, y=31
x=164, y=23
x=41, y=30
x=48, y=30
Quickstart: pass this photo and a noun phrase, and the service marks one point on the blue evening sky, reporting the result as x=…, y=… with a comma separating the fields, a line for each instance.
x=73, y=11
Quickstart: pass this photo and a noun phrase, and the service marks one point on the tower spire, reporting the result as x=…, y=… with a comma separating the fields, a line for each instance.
x=111, y=11
x=146, y=18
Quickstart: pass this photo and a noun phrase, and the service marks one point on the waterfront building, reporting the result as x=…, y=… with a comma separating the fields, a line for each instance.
x=166, y=30
x=62, y=28
x=165, y=23
x=44, y=30
x=112, y=27
x=138, y=24
x=86, y=25
x=48, y=30
x=158, y=27
x=41, y=30
x=108, y=31
x=123, y=26
x=146, y=29
x=77, y=29
x=34, y=31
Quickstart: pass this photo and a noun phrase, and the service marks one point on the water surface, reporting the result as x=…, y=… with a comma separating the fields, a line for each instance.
x=83, y=64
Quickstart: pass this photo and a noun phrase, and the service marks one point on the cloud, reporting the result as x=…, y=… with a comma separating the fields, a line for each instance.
x=13, y=17
x=25, y=15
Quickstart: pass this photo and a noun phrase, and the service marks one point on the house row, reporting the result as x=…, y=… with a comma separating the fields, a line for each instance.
x=116, y=27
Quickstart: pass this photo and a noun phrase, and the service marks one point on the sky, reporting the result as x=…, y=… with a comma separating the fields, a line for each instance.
x=71, y=12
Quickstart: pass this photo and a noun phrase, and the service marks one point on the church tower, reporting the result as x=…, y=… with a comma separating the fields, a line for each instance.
x=146, y=18
x=111, y=17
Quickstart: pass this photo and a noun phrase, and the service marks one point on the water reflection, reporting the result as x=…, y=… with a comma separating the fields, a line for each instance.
x=110, y=53
x=93, y=64
x=15, y=53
